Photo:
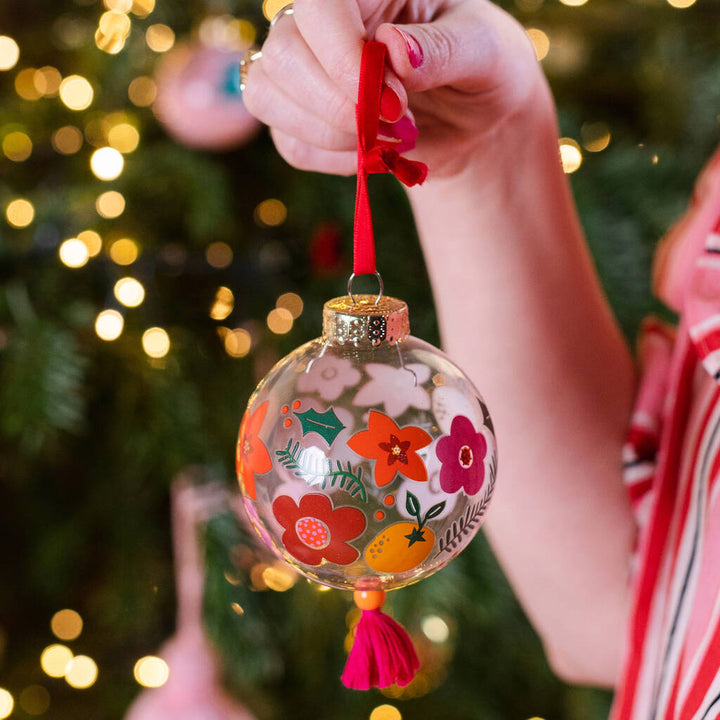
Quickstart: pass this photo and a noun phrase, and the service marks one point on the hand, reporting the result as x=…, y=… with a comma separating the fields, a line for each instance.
x=459, y=68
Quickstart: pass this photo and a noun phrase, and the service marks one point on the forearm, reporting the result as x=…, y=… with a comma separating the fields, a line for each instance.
x=521, y=311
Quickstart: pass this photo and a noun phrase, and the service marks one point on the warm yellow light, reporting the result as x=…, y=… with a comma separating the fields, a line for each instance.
x=73, y=253
x=570, y=155
x=226, y=32
x=270, y=212
x=155, y=342
x=129, y=291
x=573, y=3
x=595, y=136
x=385, y=712
x=151, y=671
x=34, y=700
x=6, y=703
x=435, y=629
x=93, y=242
x=159, y=38
x=47, y=80
x=291, y=301
x=142, y=8
x=66, y=624
x=25, y=85
x=280, y=321
x=120, y=6
x=67, y=140
x=106, y=163
x=76, y=92
x=82, y=672
x=55, y=659
x=17, y=146
x=123, y=137
x=110, y=204
x=237, y=608
x=237, y=342
x=322, y=588
x=279, y=577
x=142, y=91
x=271, y=8
x=540, y=41
x=223, y=304
x=124, y=251
x=20, y=213
x=111, y=43
x=681, y=4
x=109, y=325
x=113, y=29
x=9, y=53
x=219, y=255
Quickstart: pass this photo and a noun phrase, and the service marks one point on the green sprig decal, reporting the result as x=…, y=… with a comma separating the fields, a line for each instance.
x=412, y=505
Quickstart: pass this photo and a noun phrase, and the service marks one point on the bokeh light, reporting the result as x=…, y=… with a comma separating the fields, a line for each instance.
x=110, y=204
x=81, y=672
x=280, y=321
x=227, y=33
x=124, y=137
x=570, y=155
x=9, y=53
x=106, y=163
x=573, y=3
x=93, y=241
x=151, y=671
x=73, y=253
x=595, y=136
x=142, y=8
x=385, y=712
x=129, y=291
x=142, y=91
x=159, y=38
x=155, y=342
x=76, y=92
x=271, y=8
x=124, y=251
x=435, y=629
x=34, y=700
x=67, y=140
x=109, y=325
x=54, y=660
x=270, y=212
x=223, y=303
x=47, y=80
x=66, y=624
x=25, y=85
x=120, y=6
x=113, y=29
x=17, y=146
x=237, y=342
x=219, y=255
x=540, y=41
x=279, y=577
x=19, y=213
x=291, y=301
x=681, y=4
x=7, y=703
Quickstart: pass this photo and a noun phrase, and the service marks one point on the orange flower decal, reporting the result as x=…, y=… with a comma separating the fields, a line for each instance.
x=251, y=455
x=394, y=449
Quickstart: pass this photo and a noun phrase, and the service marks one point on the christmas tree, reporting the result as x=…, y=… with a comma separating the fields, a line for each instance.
x=157, y=257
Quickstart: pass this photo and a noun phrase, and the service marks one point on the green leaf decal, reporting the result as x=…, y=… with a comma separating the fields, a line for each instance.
x=412, y=505
x=435, y=510
x=324, y=424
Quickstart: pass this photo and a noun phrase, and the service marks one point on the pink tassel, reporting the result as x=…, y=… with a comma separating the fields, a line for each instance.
x=382, y=653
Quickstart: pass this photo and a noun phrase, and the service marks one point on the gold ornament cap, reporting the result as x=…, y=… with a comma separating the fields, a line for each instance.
x=365, y=320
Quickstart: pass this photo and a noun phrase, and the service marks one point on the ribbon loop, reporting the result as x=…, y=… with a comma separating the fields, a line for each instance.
x=374, y=158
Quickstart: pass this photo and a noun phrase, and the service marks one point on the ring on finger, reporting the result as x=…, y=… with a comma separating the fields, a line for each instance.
x=251, y=55
x=285, y=10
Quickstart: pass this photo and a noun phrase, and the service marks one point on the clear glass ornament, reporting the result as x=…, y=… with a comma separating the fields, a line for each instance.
x=366, y=458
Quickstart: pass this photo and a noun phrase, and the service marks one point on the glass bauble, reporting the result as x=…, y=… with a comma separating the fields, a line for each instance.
x=366, y=458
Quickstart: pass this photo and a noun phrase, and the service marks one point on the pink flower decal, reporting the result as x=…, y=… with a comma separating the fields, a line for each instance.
x=251, y=455
x=328, y=376
x=462, y=454
x=394, y=448
x=315, y=531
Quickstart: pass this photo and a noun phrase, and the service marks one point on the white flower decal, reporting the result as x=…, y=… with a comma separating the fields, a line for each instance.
x=329, y=376
x=395, y=388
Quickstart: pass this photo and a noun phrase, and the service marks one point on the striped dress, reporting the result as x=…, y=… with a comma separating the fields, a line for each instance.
x=671, y=669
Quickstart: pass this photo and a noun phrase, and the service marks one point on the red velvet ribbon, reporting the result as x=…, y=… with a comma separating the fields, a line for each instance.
x=374, y=157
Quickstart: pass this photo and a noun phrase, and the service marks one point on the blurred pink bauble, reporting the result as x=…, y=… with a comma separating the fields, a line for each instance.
x=199, y=100
x=193, y=690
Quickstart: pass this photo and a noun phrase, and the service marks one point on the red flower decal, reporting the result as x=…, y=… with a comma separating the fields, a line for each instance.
x=315, y=531
x=394, y=448
x=251, y=455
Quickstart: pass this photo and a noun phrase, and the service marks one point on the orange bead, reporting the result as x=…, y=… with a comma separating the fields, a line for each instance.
x=369, y=599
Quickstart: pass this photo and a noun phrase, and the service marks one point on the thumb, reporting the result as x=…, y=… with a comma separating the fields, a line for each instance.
x=460, y=48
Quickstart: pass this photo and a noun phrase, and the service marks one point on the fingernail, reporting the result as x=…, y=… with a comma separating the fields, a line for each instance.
x=390, y=106
x=404, y=133
x=415, y=53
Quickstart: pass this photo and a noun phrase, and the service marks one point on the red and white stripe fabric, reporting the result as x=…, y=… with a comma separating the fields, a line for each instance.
x=672, y=663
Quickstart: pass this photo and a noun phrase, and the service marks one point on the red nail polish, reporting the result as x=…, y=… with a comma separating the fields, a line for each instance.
x=401, y=135
x=390, y=106
x=415, y=53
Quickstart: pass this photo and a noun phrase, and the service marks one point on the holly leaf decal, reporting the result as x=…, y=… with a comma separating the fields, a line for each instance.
x=326, y=424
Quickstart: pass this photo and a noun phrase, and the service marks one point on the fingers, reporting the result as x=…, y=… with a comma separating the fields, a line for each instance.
x=305, y=156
